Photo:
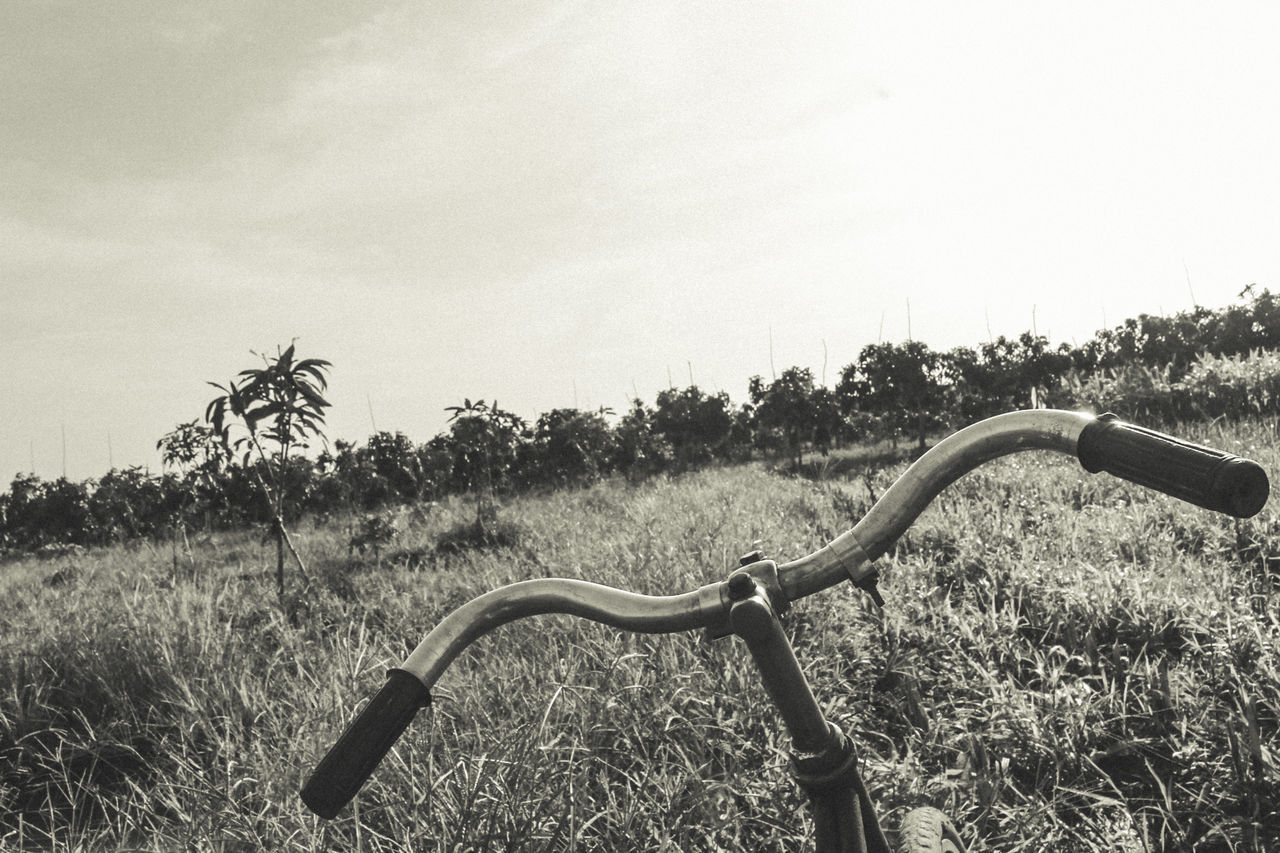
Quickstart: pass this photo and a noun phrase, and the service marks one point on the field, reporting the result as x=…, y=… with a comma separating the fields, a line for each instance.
x=1065, y=662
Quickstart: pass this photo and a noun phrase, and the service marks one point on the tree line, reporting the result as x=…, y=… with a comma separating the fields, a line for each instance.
x=1152, y=366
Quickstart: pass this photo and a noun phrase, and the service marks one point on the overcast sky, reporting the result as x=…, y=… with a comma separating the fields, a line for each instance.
x=557, y=202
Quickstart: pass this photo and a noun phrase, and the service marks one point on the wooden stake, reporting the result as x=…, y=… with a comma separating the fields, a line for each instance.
x=772, y=369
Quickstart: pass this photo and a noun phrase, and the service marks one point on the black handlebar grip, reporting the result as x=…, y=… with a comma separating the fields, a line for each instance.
x=1200, y=475
x=362, y=746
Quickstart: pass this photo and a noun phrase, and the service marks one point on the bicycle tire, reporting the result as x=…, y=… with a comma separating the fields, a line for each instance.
x=927, y=830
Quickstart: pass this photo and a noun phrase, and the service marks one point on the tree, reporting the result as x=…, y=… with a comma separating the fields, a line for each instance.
x=279, y=407
x=828, y=426
x=36, y=513
x=573, y=446
x=130, y=503
x=788, y=405
x=435, y=461
x=640, y=450
x=487, y=443
x=395, y=463
x=198, y=454
x=697, y=425
x=898, y=383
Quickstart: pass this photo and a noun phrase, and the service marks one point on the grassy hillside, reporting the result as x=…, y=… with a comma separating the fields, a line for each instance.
x=1065, y=662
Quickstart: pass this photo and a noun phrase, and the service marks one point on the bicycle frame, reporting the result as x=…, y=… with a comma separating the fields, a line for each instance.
x=749, y=601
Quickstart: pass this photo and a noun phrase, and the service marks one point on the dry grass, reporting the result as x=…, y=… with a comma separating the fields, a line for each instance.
x=1065, y=663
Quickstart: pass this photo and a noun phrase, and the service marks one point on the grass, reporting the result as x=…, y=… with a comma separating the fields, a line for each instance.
x=1065, y=663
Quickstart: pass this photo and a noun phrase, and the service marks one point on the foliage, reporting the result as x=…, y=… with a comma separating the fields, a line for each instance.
x=1192, y=365
x=573, y=446
x=374, y=533
x=397, y=468
x=1229, y=386
x=130, y=503
x=1176, y=341
x=487, y=442
x=279, y=405
x=280, y=408
x=1233, y=386
x=695, y=424
x=998, y=376
x=38, y=513
x=640, y=450
x=900, y=384
x=787, y=406
x=194, y=448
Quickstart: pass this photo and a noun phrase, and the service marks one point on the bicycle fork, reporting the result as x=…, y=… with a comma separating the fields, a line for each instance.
x=824, y=761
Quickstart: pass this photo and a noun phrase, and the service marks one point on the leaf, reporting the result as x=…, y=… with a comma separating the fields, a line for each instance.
x=314, y=367
x=215, y=405
x=313, y=397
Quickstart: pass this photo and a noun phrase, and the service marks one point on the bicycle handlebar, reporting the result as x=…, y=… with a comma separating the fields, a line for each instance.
x=1199, y=475
x=1202, y=476
x=365, y=743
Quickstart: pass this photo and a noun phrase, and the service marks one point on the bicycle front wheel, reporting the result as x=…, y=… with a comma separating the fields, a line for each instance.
x=927, y=830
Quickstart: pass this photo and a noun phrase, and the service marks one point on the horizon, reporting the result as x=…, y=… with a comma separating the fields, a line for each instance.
x=610, y=413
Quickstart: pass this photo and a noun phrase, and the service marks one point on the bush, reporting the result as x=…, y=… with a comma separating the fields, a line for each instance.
x=1230, y=386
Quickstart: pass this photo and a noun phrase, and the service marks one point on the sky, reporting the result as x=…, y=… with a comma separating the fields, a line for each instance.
x=563, y=203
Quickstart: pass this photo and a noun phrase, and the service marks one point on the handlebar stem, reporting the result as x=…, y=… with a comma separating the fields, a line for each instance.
x=754, y=620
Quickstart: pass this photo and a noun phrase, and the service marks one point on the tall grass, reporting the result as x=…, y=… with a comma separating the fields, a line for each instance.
x=1065, y=662
x=1214, y=386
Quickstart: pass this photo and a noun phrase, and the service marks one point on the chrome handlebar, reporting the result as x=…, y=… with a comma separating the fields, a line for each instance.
x=1200, y=475
x=648, y=614
x=849, y=556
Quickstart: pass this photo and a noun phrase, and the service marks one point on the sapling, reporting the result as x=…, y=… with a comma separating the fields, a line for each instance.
x=280, y=408
x=197, y=452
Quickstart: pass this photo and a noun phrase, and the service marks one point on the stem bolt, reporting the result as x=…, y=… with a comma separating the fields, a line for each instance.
x=741, y=585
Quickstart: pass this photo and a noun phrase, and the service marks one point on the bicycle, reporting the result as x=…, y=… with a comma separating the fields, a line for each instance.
x=749, y=601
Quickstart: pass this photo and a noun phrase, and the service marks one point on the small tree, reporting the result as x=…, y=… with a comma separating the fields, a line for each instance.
x=487, y=442
x=279, y=407
x=696, y=424
x=197, y=453
x=639, y=449
x=396, y=463
x=573, y=446
x=898, y=383
x=788, y=406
